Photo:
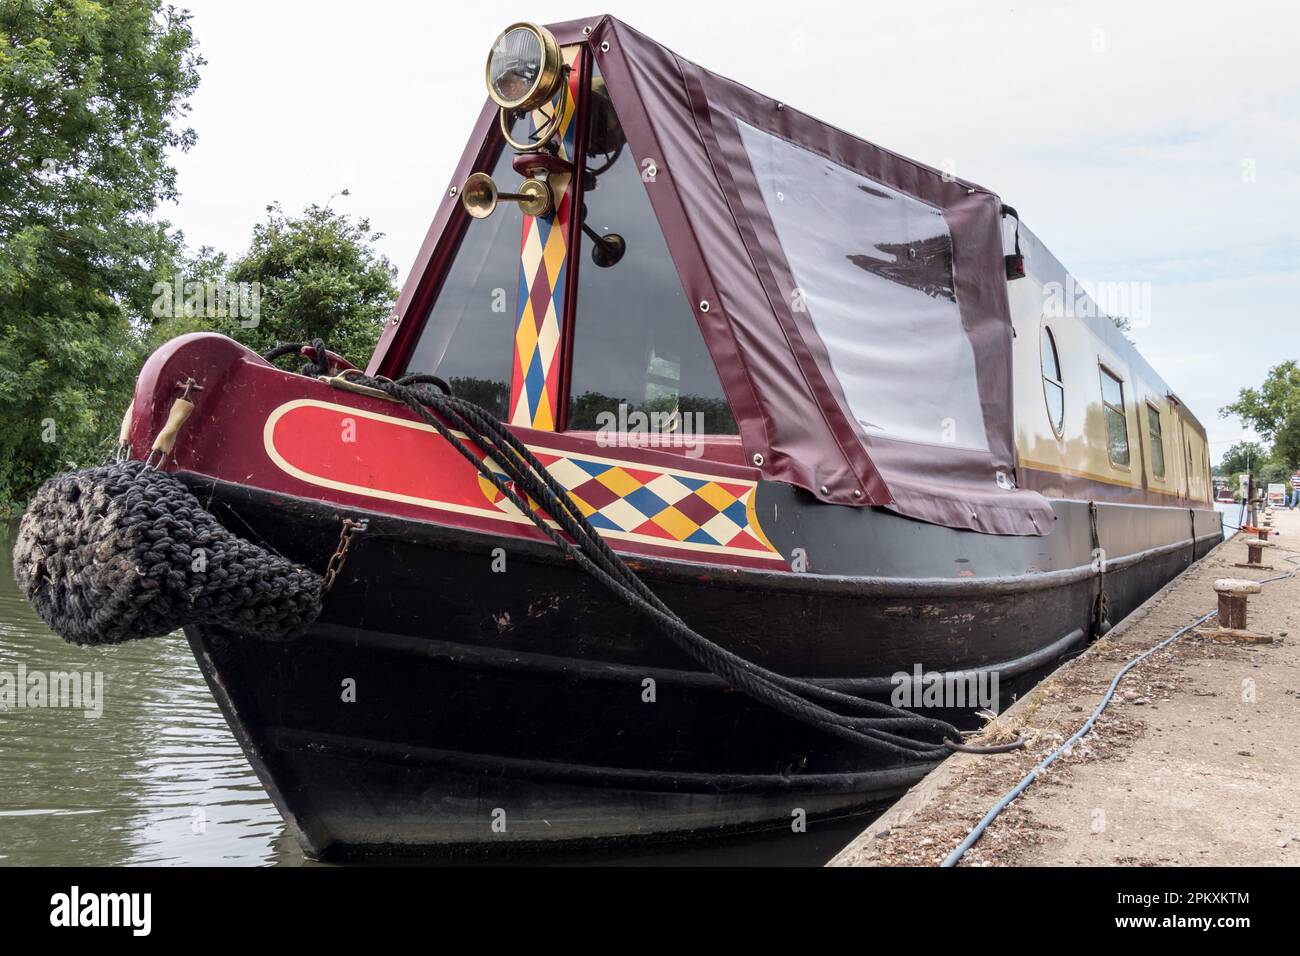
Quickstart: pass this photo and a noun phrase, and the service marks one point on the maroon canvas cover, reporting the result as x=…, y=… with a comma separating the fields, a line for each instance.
x=912, y=322
x=775, y=368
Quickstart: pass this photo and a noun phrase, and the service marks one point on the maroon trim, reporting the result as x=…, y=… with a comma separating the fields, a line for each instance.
x=572, y=31
x=684, y=246
x=767, y=257
x=230, y=445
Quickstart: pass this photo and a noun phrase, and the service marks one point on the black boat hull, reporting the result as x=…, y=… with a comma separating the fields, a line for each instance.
x=444, y=704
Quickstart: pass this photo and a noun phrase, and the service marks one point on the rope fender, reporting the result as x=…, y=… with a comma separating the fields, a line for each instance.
x=123, y=551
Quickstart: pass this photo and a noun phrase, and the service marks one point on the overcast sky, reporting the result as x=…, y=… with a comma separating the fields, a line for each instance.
x=1146, y=142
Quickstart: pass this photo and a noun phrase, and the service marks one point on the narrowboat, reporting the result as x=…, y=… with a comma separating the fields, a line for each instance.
x=818, y=397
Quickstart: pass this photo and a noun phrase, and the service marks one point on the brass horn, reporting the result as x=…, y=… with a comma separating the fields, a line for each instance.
x=480, y=196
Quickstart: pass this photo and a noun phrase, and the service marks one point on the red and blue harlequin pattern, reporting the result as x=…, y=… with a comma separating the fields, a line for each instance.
x=543, y=255
x=674, y=508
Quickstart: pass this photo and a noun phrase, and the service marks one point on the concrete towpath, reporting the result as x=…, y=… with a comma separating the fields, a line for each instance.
x=1195, y=761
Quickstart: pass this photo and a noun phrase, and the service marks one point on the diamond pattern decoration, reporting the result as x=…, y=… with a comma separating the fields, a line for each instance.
x=543, y=254
x=648, y=503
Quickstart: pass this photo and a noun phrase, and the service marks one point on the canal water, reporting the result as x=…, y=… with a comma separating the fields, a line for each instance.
x=158, y=778
x=1233, y=517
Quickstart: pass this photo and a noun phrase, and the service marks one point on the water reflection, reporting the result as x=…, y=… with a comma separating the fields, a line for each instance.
x=1234, y=516
x=158, y=779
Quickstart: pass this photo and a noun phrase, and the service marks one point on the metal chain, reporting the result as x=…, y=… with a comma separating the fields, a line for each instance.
x=1101, y=605
x=340, y=555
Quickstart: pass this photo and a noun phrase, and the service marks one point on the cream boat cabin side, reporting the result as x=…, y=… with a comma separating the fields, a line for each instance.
x=780, y=371
x=1064, y=433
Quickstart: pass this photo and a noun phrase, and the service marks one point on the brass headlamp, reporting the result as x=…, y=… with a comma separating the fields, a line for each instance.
x=525, y=70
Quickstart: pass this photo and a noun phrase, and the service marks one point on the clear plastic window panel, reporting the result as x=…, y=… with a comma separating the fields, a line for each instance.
x=468, y=337
x=874, y=272
x=637, y=347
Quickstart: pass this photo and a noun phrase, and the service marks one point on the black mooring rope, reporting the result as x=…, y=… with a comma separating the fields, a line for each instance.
x=877, y=726
x=319, y=365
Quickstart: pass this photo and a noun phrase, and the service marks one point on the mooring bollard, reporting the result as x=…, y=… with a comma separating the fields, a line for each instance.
x=1255, y=554
x=1233, y=594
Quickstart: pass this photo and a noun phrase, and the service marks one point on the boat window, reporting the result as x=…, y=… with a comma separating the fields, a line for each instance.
x=1053, y=388
x=1112, y=400
x=468, y=336
x=638, y=353
x=1157, y=441
x=873, y=271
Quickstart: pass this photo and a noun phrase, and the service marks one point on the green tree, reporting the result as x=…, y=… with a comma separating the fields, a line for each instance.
x=1243, y=457
x=1274, y=468
x=312, y=276
x=169, y=317
x=91, y=95
x=1273, y=410
x=319, y=277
